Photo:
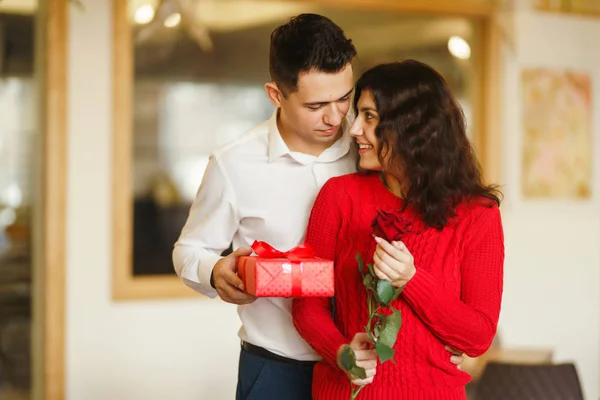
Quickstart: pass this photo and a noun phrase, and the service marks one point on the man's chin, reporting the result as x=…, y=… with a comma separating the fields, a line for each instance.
x=327, y=137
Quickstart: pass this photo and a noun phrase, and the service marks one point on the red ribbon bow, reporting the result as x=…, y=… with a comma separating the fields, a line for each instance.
x=295, y=255
x=265, y=250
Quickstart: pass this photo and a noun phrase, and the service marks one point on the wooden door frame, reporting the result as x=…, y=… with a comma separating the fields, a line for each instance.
x=124, y=285
x=49, y=271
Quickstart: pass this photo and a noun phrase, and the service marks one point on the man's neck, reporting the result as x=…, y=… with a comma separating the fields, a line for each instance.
x=299, y=144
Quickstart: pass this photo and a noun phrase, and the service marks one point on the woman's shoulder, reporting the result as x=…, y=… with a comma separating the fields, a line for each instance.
x=353, y=180
x=348, y=187
x=477, y=209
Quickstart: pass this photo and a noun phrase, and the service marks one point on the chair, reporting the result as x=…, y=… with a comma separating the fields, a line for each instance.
x=529, y=382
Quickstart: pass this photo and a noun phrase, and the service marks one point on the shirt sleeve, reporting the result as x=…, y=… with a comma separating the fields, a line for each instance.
x=468, y=323
x=208, y=231
x=312, y=315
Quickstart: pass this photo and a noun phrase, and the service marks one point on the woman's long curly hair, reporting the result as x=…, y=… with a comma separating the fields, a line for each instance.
x=422, y=136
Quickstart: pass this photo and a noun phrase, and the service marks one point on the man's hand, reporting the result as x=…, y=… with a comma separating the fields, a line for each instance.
x=456, y=358
x=225, y=280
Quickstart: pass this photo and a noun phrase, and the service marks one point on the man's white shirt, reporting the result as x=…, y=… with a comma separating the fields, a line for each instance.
x=255, y=188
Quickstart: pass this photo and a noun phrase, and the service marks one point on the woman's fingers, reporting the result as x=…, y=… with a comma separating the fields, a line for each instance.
x=385, y=271
x=366, y=359
x=365, y=355
x=394, y=261
x=369, y=364
x=389, y=253
x=362, y=382
x=370, y=374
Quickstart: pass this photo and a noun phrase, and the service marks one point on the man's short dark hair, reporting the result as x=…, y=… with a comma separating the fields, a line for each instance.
x=307, y=42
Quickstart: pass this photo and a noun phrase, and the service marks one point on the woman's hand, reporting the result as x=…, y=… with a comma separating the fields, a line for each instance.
x=365, y=357
x=393, y=261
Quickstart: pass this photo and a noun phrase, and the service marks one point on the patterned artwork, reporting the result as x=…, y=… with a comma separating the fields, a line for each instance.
x=569, y=6
x=557, y=139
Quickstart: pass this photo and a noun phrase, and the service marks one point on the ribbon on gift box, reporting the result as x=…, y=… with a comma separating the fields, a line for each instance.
x=295, y=256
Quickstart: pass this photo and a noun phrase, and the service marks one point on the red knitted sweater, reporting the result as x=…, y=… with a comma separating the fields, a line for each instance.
x=453, y=299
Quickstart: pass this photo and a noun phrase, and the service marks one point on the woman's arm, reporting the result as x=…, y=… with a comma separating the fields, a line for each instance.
x=312, y=315
x=467, y=324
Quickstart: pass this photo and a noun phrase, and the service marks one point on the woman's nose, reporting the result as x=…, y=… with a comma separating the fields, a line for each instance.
x=355, y=129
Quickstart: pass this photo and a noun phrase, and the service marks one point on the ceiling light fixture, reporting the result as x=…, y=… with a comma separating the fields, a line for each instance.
x=459, y=48
x=144, y=14
x=172, y=20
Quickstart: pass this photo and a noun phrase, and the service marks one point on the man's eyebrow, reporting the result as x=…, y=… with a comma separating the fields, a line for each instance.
x=320, y=103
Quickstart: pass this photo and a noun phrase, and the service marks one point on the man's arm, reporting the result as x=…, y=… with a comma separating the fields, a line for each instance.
x=208, y=231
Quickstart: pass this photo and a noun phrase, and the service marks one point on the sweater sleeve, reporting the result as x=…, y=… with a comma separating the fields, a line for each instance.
x=312, y=315
x=467, y=324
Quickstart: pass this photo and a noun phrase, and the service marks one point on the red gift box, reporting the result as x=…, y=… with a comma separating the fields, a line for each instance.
x=294, y=273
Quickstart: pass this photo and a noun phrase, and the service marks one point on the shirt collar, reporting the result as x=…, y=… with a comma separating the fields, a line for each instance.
x=278, y=148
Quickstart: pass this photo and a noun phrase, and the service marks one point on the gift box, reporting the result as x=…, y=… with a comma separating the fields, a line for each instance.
x=294, y=273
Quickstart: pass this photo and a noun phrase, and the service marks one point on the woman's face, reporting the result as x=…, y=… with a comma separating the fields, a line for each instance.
x=363, y=130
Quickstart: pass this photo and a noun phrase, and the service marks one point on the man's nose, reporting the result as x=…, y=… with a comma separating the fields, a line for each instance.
x=333, y=116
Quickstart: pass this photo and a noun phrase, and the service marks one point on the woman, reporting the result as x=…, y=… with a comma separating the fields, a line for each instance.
x=419, y=167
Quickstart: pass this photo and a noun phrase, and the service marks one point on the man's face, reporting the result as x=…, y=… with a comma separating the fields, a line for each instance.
x=316, y=110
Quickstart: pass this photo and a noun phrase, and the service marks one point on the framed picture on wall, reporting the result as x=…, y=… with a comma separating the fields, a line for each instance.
x=556, y=157
x=586, y=7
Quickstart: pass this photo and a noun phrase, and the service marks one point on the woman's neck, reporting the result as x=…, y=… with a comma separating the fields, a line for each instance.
x=393, y=184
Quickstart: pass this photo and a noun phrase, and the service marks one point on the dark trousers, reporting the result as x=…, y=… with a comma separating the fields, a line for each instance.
x=261, y=378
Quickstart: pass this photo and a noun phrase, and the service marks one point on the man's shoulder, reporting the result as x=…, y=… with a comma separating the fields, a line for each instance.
x=251, y=143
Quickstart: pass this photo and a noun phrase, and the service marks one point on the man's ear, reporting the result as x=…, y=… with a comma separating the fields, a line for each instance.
x=275, y=95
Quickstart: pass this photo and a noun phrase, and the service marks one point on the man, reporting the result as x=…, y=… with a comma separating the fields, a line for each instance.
x=262, y=187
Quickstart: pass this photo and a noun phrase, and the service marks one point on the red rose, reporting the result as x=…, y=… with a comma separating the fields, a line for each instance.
x=390, y=225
